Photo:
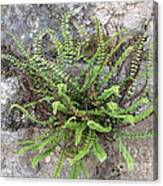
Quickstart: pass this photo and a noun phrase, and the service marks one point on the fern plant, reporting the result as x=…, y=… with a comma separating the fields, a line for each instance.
x=79, y=96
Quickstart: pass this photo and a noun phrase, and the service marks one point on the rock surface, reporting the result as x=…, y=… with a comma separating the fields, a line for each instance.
x=25, y=21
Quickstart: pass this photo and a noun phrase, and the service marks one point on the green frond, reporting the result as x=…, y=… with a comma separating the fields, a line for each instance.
x=88, y=143
x=32, y=118
x=99, y=56
x=83, y=43
x=62, y=92
x=69, y=51
x=124, y=118
x=117, y=64
x=109, y=41
x=14, y=61
x=79, y=128
x=135, y=64
x=99, y=152
x=143, y=114
x=109, y=92
x=115, y=49
x=39, y=144
x=98, y=127
x=70, y=123
x=41, y=157
x=78, y=133
x=112, y=106
x=90, y=78
x=138, y=103
x=65, y=26
x=58, y=106
x=126, y=155
x=26, y=142
x=84, y=169
x=19, y=44
x=31, y=147
x=137, y=135
x=51, y=140
x=59, y=165
x=37, y=42
x=76, y=170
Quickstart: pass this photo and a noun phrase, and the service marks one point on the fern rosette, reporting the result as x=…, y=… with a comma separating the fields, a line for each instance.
x=79, y=96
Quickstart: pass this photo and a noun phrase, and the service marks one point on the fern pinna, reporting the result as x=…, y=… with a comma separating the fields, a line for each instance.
x=81, y=94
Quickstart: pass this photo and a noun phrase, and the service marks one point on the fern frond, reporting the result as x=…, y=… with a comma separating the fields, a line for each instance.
x=99, y=56
x=70, y=124
x=84, y=170
x=31, y=147
x=98, y=127
x=75, y=171
x=78, y=133
x=126, y=155
x=14, y=61
x=59, y=165
x=41, y=157
x=135, y=64
x=90, y=78
x=109, y=41
x=117, y=64
x=19, y=44
x=58, y=106
x=62, y=92
x=143, y=114
x=26, y=142
x=138, y=103
x=69, y=51
x=99, y=152
x=112, y=107
x=124, y=118
x=32, y=118
x=108, y=92
x=137, y=135
x=84, y=39
x=51, y=140
x=115, y=49
x=88, y=143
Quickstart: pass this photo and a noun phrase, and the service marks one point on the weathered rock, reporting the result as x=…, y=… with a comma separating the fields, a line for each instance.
x=10, y=93
x=20, y=166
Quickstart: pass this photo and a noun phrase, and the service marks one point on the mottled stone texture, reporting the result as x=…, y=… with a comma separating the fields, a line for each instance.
x=25, y=21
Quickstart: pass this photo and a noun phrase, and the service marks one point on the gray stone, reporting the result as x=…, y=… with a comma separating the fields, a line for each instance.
x=10, y=94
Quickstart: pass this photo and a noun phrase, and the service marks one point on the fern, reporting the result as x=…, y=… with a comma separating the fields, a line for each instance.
x=58, y=168
x=99, y=152
x=77, y=169
x=126, y=155
x=33, y=119
x=88, y=143
x=138, y=135
x=40, y=157
x=78, y=133
x=108, y=92
x=99, y=128
x=80, y=96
